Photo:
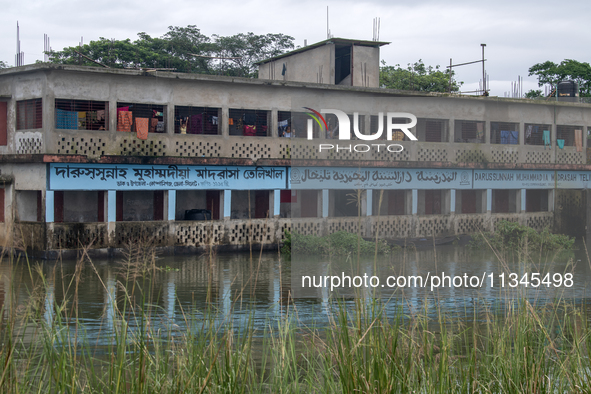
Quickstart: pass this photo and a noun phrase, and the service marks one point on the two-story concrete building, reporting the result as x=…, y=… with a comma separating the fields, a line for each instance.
x=103, y=156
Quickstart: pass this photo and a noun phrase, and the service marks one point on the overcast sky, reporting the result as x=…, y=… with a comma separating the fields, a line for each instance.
x=518, y=34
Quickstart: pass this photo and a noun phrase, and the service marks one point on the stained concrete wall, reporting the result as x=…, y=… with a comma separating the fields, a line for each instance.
x=366, y=66
x=315, y=65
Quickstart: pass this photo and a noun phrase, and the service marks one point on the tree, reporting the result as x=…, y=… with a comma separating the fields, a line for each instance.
x=552, y=74
x=185, y=49
x=244, y=50
x=3, y=64
x=417, y=77
x=534, y=94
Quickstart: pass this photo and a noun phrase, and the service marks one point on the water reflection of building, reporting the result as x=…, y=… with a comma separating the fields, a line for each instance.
x=108, y=156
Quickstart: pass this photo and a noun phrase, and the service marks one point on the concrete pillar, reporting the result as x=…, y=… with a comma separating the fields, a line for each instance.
x=227, y=204
x=274, y=124
x=415, y=201
x=488, y=200
x=276, y=201
x=225, y=122
x=522, y=200
x=451, y=131
x=49, y=210
x=324, y=203
x=169, y=119
x=452, y=201
x=368, y=202
x=112, y=115
x=112, y=206
x=171, y=205
x=551, y=197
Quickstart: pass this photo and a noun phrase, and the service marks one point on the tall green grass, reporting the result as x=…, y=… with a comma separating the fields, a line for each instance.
x=512, y=347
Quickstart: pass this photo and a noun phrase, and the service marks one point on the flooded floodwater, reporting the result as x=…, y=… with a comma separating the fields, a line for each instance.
x=236, y=289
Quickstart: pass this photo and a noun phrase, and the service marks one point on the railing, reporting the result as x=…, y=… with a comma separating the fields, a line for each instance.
x=236, y=233
x=99, y=143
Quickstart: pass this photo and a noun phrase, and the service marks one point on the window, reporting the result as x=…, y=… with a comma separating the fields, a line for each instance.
x=28, y=114
x=129, y=113
x=534, y=133
x=249, y=122
x=29, y=205
x=81, y=114
x=567, y=134
x=504, y=133
x=197, y=120
x=135, y=206
x=504, y=201
x=295, y=125
x=433, y=202
x=342, y=65
x=432, y=130
x=469, y=131
x=536, y=200
x=397, y=135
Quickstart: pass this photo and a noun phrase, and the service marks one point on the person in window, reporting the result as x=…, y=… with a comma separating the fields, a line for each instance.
x=287, y=132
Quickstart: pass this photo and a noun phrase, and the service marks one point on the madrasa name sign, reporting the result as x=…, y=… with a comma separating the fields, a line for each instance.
x=158, y=177
x=379, y=178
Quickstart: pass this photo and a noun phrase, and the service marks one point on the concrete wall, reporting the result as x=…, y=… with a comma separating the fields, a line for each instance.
x=366, y=66
x=225, y=93
x=314, y=65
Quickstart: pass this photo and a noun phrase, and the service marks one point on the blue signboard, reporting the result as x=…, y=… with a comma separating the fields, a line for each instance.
x=514, y=179
x=64, y=176
x=379, y=178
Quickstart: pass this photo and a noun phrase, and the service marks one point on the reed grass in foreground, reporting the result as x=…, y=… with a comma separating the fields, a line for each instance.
x=516, y=348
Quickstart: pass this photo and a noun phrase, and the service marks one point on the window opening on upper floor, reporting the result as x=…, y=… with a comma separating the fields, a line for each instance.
x=568, y=134
x=197, y=120
x=28, y=114
x=471, y=131
x=81, y=114
x=249, y=122
x=536, y=134
x=432, y=130
x=131, y=116
x=342, y=66
x=504, y=133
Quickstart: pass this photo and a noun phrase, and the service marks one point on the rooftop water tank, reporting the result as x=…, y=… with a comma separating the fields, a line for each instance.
x=568, y=91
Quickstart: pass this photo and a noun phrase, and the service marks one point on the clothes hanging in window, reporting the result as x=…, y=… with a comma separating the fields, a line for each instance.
x=560, y=143
x=249, y=131
x=282, y=127
x=124, y=120
x=153, y=125
x=66, y=119
x=196, y=124
x=141, y=128
x=546, y=138
x=579, y=140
